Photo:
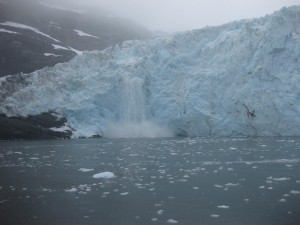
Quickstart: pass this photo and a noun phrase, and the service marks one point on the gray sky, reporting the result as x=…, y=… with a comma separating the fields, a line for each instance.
x=179, y=15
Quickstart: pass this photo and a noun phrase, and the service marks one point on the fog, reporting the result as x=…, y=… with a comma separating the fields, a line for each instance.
x=179, y=15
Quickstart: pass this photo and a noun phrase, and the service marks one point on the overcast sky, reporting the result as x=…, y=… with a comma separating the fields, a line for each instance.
x=179, y=15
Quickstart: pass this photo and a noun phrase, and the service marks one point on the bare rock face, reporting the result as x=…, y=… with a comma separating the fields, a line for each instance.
x=34, y=35
x=43, y=126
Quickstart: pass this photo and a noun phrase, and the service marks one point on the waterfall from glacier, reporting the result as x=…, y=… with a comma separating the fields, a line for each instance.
x=132, y=122
x=133, y=100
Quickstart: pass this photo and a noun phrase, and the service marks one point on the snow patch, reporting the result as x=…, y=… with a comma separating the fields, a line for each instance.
x=64, y=128
x=8, y=31
x=51, y=54
x=83, y=34
x=23, y=26
x=60, y=47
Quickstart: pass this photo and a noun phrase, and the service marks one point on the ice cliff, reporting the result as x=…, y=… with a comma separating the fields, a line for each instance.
x=242, y=78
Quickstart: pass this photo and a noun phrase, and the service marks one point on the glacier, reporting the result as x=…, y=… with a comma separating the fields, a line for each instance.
x=238, y=79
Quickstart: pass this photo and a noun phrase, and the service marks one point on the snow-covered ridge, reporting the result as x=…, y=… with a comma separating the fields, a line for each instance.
x=242, y=78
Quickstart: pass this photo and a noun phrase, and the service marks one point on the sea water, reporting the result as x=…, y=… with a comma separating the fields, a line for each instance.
x=189, y=181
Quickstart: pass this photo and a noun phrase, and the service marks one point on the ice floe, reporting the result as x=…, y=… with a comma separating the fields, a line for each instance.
x=104, y=175
x=172, y=221
x=71, y=190
x=85, y=170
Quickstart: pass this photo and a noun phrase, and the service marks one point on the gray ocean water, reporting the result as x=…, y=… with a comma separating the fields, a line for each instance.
x=188, y=181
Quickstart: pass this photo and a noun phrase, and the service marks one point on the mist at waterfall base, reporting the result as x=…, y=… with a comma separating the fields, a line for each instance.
x=144, y=129
x=133, y=122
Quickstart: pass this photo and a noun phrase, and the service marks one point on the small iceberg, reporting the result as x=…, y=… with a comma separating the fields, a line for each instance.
x=104, y=175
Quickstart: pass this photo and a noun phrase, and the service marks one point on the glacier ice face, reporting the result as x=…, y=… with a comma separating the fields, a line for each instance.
x=242, y=78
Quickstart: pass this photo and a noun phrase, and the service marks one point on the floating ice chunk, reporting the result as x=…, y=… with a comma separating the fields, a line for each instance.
x=218, y=186
x=71, y=190
x=85, y=170
x=261, y=187
x=214, y=215
x=3, y=201
x=34, y=158
x=124, y=193
x=84, y=187
x=154, y=219
x=294, y=192
x=104, y=175
x=223, y=207
x=20, y=153
x=160, y=212
x=282, y=200
x=232, y=185
x=196, y=188
x=172, y=221
x=281, y=179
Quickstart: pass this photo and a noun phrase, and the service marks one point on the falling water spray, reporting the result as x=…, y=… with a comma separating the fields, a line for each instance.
x=133, y=122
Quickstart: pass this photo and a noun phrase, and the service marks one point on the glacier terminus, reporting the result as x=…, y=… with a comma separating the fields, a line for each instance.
x=238, y=79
